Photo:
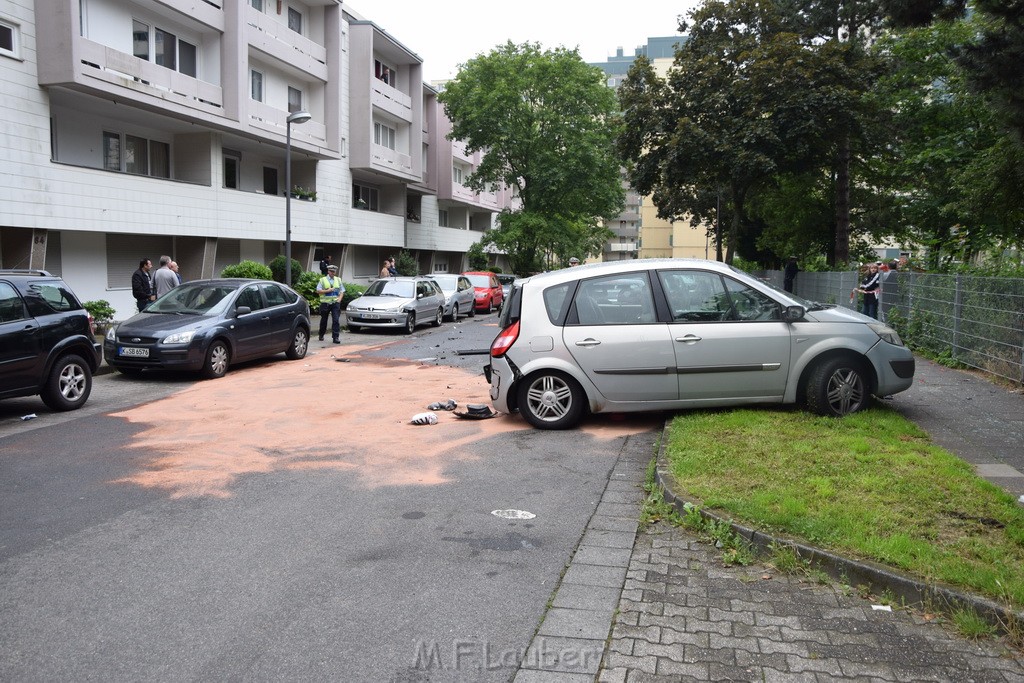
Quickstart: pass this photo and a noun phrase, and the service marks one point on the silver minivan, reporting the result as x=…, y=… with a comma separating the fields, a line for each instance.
x=667, y=334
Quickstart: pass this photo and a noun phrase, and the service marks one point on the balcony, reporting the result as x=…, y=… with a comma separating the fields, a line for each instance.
x=271, y=120
x=279, y=41
x=387, y=158
x=390, y=100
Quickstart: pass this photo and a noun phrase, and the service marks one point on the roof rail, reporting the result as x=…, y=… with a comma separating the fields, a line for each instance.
x=25, y=271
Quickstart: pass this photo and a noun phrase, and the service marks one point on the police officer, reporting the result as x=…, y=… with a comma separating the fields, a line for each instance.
x=329, y=288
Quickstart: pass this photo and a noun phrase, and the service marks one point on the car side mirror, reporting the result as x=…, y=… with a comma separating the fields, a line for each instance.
x=791, y=314
x=242, y=310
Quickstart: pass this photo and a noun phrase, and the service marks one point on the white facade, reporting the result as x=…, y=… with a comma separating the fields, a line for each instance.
x=136, y=129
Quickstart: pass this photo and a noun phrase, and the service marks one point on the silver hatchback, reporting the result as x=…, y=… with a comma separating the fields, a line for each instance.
x=667, y=334
x=402, y=302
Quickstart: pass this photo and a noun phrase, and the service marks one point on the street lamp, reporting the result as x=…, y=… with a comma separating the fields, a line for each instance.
x=295, y=117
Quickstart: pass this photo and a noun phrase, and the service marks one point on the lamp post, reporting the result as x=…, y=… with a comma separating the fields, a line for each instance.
x=295, y=117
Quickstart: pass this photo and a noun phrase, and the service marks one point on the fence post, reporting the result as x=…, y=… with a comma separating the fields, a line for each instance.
x=958, y=310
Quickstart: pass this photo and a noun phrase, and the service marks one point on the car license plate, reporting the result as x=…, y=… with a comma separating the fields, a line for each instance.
x=370, y=316
x=134, y=351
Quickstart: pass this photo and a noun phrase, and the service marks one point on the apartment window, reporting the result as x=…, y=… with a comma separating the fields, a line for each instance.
x=365, y=197
x=166, y=48
x=112, y=151
x=256, y=85
x=295, y=20
x=8, y=39
x=134, y=154
x=232, y=169
x=457, y=175
x=385, y=72
x=269, y=180
x=257, y=5
x=442, y=218
x=294, y=99
x=384, y=135
x=140, y=39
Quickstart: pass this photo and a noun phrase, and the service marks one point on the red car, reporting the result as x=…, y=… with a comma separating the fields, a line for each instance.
x=488, y=294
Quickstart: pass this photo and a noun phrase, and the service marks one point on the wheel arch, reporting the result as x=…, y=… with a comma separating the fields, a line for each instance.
x=589, y=390
x=78, y=346
x=829, y=355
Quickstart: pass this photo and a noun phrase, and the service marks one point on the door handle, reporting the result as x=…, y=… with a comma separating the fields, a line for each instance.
x=589, y=341
x=688, y=339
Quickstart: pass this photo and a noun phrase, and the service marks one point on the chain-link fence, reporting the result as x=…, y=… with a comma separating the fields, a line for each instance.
x=977, y=321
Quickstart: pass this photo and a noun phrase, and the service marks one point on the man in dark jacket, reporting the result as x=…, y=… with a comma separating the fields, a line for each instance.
x=142, y=286
x=789, y=276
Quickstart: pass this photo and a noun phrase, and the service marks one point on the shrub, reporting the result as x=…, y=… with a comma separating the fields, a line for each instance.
x=306, y=286
x=100, y=310
x=277, y=268
x=477, y=257
x=247, y=269
x=406, y=264
x=352, y=291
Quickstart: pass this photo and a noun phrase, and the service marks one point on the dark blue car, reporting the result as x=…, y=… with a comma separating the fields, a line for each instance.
x=206, y=325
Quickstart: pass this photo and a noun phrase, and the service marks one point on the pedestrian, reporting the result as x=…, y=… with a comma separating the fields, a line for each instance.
x=325, y=262
x=329, y=288
x=174, y=269
x=392, y=268
x=871, y=288
x=164, y=279
x=789, y=276
x=142, y=286
x=385, y=270
x=574, y=261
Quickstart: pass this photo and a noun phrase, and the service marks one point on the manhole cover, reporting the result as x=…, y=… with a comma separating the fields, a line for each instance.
x=513, y=514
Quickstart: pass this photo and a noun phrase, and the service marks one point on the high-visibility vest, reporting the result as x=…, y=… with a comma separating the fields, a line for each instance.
x=327, y=283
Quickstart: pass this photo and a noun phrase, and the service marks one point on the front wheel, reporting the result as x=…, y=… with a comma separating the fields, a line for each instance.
x=551, y=400
x=410, y=323
x=490, y=305
x=436, y=322
x=300, y=343
x=837, y=387
x=455, y=313
x=69, y=384
x=217, y=359
x=472, y=310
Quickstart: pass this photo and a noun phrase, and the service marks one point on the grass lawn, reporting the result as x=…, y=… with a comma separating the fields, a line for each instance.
x=868, y=486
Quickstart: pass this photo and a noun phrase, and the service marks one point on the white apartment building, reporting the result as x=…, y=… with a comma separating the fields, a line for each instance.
x=137, y=128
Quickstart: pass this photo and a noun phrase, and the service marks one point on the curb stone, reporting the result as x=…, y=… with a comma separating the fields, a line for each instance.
x=855, y=572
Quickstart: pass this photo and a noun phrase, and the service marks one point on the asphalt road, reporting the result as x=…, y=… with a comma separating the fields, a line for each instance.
x=313, y=560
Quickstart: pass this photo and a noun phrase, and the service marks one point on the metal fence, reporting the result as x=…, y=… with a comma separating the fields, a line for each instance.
x=977, y=321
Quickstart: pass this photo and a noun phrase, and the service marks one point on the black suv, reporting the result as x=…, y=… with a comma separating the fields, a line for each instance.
x=47, y=342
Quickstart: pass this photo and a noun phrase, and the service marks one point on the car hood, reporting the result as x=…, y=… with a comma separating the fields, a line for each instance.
x=159, y=324
x=378, y=303
x=838, y=314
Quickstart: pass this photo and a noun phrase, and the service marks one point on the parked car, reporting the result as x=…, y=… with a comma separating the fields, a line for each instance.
x=506, y=280
x=489, y=294
x=668, y=334
x=47, y=345
x=403, y=302
x=458, y=293
x=206, y=325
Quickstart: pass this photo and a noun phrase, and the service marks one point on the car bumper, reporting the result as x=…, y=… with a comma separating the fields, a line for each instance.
x=379, y=319
x=894, y=366
x=169, y=358
x=500, y=374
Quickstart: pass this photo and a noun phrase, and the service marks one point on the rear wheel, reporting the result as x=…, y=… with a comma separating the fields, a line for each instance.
x=69, y=383
x=472, y=310
x=217, y=359
x=838, y=387
x=436, y=322
x=551, y=399
x=299, y=345
x=410, y=323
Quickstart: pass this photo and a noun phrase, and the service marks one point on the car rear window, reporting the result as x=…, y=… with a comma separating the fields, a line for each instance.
x=45, y=298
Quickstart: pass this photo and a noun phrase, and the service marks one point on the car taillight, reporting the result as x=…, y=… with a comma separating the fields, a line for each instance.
x=505, y=339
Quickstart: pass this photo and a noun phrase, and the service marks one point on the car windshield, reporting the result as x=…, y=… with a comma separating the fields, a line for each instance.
x=446, y=281
x=480, y=280
x=195, y=299
x=806, y=303
x=399, y=288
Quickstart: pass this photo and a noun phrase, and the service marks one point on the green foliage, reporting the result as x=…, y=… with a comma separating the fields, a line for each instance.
x=100, y=310
x=477, y=256
x=352, y=291
x=406, y=264
x=546, y=122
x=248, y=269
x=277, y=268
x=305, y=285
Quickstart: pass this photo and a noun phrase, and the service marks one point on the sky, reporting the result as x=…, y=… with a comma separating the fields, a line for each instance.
x=446, y=33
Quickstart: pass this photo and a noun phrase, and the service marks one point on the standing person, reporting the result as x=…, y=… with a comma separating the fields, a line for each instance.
x=142, y=286
x=329, y=289
x=870, y=287
x=174, y=269
x=385, y=270
x=164, y=279
x=325, y=263
x=789, y=276
x=392, y=268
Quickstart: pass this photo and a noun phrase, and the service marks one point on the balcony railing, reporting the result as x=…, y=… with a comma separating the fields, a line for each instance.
x=281, y=42
x=273, y=120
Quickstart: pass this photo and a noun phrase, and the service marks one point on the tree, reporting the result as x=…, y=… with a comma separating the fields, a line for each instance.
x=545, y=122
